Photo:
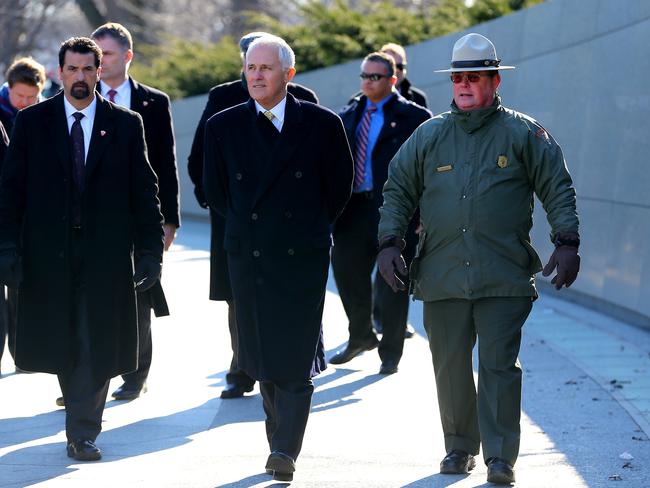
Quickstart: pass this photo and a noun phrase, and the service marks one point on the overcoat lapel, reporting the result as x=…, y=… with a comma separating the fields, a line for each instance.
x=60, y=136
x=290, y=138
x=139, y=101
x=103, y=131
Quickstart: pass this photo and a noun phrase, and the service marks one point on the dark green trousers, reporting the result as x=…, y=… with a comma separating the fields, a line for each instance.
x=491, y=417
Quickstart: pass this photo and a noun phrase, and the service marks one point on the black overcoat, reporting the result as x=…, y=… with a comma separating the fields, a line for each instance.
x=279, y=203
x=120, y=216
x=221, y=97
x=154, y=108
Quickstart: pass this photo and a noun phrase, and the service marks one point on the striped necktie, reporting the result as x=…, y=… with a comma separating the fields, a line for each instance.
x=361, y=147
x=111, y=95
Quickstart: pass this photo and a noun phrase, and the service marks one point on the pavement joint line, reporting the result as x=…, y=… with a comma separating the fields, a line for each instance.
x=618, y=395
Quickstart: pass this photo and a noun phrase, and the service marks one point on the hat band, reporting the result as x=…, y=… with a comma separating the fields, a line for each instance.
x=478, y=63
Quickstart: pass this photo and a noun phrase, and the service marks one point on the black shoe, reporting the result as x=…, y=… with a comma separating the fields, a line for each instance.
x=235, y=391
x=84, y=450
x=500, y=472
x=388, y=367
x=282, y=465
x=128, y=392
x=457, y=462
x=410, y=331
x=350, y=352
x=60, y=402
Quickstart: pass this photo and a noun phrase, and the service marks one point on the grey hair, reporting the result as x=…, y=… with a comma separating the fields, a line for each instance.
x=285, y=53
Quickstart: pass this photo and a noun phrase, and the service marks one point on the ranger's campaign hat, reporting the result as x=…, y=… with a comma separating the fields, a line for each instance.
x=474, y=52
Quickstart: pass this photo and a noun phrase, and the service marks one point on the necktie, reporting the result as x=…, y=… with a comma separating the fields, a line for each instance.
x=361, y=146
x=269, y=115
x=78, y=150
x=111, y=95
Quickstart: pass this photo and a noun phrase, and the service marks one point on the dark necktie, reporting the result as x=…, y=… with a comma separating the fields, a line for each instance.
x=78, y=150
x=111, y=95
x=361, y=147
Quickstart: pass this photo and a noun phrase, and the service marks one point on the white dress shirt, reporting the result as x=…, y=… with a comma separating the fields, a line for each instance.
x=123, y=96
x=277, y=111
x=86, y=122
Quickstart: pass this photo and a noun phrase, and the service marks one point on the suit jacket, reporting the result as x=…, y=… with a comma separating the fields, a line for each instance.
x=401, y=118
x=222, y=97
x=120, y=217
x=279, y=200
x=154, y=108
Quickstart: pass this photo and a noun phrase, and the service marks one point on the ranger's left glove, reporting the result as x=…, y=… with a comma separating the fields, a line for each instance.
x=565, y=258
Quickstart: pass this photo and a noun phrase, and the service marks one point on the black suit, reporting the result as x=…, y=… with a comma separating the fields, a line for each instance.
x=280, y=193
x=355, y=234
x=220, y=98
x=77, y=313
x=154, y=108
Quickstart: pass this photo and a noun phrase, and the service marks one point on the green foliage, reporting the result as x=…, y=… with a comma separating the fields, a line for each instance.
x=484, y=10
x=328, y=35
x=182, y=68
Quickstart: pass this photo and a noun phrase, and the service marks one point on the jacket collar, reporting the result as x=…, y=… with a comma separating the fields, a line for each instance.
x=472, y=120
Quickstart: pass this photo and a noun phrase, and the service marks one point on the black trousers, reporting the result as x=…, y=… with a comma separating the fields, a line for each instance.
x=353, y=260
x=287, y=406
x=235, y=376
x=84, y=393
x=137, y=378
x=8, y=320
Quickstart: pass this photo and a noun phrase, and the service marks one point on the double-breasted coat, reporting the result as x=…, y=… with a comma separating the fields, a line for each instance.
x=221, y=97
x=120, y=217
x=279, y=200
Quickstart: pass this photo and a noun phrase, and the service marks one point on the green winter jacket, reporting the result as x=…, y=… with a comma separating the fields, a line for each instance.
x=473, y=175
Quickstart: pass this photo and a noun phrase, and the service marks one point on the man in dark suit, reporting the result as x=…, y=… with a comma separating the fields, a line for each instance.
x=279, y=170
x=77, y=205
x=220, y=98
x=377, y=124
x=153, y=106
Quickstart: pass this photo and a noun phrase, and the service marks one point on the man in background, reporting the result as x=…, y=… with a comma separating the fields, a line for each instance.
x=220, y=98
x=117, y=86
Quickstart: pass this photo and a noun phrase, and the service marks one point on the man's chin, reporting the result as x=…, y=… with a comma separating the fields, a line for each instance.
x=80, y=94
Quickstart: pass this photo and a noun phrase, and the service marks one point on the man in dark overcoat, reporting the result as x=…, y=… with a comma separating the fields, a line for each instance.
x=377, y=124
x=280, y=171
x=221, y=97
x=153, y=106
x=77, y=206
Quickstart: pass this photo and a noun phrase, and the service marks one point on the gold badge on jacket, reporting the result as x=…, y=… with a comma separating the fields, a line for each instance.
x=502, y=162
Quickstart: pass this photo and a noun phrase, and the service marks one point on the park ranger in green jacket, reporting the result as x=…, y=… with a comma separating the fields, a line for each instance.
x=473, y=172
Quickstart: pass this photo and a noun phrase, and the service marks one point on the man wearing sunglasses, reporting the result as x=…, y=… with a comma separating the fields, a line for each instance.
x=377, y=124
x=473, y=172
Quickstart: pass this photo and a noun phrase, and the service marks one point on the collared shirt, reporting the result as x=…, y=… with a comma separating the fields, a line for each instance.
x=277, y=111
x=376, y=123
x=86, y=123
x=123, y=96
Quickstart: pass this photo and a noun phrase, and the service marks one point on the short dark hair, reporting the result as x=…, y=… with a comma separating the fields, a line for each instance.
x=116, y=31
x=80, y=45
x=379, y=57
x=26, y=71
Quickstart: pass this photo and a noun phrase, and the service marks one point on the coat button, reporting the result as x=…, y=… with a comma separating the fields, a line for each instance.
x=464, y=229
x=467, y=263
x=238, y=176
x=254, y=216
x=464, y=197
x=298, y=174
x=288, y=214
x=291, y=252
x=256, y=253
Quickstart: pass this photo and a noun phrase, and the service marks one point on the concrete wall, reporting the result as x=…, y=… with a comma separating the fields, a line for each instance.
x=581, y=71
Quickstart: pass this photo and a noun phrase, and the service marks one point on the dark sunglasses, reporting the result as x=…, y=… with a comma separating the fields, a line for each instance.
x=372, y=76
x=400, y=66
x=471, y=77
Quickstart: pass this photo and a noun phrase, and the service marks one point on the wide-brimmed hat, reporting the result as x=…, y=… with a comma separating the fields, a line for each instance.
x=474, y=52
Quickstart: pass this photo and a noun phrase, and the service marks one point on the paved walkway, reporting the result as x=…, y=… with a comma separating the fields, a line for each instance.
x=586, y=402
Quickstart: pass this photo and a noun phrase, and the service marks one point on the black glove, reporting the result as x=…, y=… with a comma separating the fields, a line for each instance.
x=200, y=197
x=11, y=268
x=147, y=272
x=391, y=263
x=567, y=261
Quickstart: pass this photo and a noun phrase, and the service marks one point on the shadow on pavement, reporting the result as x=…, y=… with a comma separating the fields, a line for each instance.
x=441, y=481
x=253, y=481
